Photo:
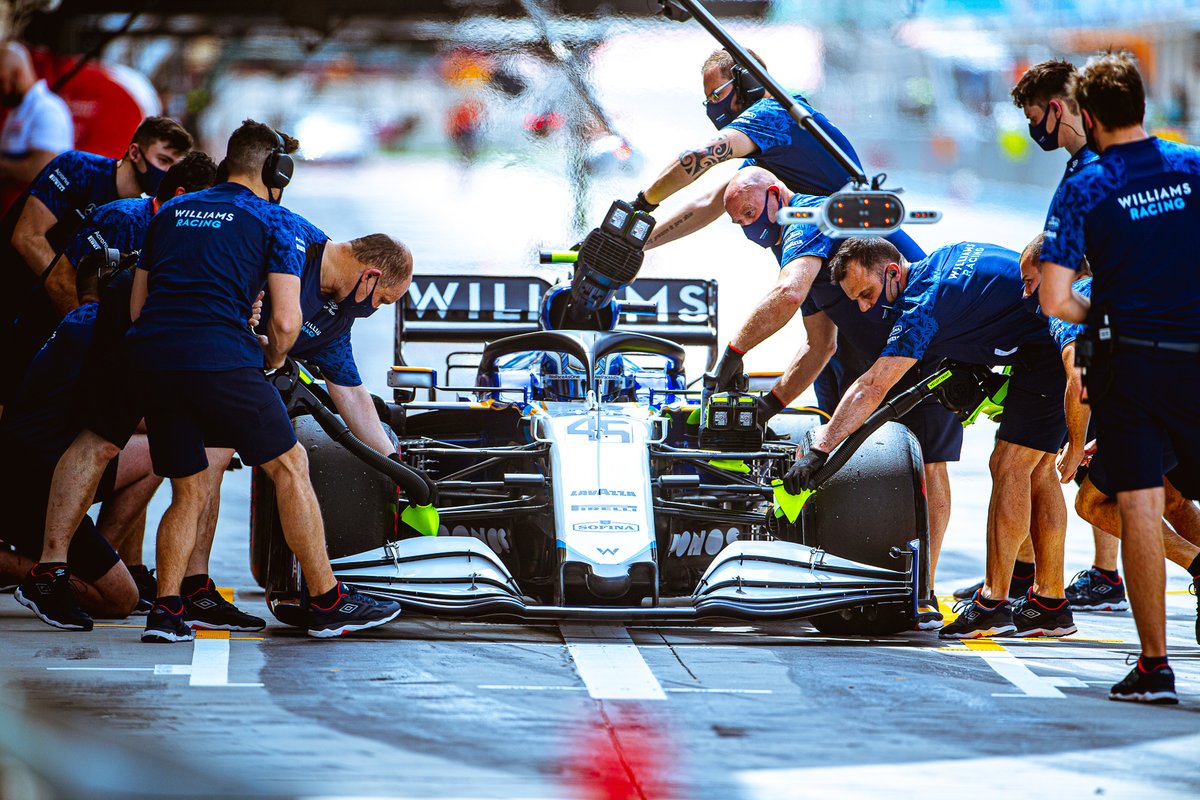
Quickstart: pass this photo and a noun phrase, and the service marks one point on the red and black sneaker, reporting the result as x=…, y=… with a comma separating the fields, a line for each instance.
x=979, y=618
x=1042, y=616
x=1156, y=686
x=350, y=611
x=1092, y=590
x=206, y=609
x=47, y=592
x=165, y=622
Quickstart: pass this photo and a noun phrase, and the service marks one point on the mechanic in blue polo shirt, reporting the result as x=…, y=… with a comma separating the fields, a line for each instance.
x=43, y=221
x=205, y=260
x=753, y=199
x=1134, y=214
x=1099, y=589
x=755, y=126
x=964, y=302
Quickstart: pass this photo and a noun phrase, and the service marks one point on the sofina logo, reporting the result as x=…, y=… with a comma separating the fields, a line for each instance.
x=606, y=525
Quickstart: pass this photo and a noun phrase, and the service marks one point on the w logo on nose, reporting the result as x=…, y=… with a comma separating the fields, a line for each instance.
x=607, y=551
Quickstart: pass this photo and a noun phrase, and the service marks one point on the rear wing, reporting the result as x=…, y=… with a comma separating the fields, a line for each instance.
x=476, y=309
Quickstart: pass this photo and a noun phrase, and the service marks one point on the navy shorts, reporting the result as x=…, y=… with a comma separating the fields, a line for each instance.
x=1144, y=403
x=114, y=403
x=25, y=495
x=237, y=408
x=938, y=431
x=1033, y=411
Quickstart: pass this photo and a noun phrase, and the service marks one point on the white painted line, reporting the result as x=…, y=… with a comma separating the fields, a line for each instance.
x=723, y=691
x=520, y=688
x=100, y=669
x=609, y=663
x=1011, y=669
x=210, y=663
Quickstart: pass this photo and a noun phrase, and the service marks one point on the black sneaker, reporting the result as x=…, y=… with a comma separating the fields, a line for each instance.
x=1017, y=588
x=976, y=621
x=1092, y=591
x=1195, y=590
x=47, y=592
x=929, y=616
x=1156, y=686
x=164, y=626
x=1034, y=618
x=352, y=611
x=147, y=589
x=205, y=609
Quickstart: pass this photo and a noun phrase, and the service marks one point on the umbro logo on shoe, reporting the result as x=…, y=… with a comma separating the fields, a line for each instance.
x=349, y=608
x=204, y=603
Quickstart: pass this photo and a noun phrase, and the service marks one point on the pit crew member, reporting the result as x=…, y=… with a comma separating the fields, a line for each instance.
x=71, y=185
x=963, y=302
x=755, y=126
x=206, y=257
x=753, y=199
x=1132, y=213
x=39, y=124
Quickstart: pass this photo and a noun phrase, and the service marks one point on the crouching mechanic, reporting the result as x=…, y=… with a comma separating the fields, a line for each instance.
x=753, y=200
x=109, y=417
x=964, y=302
x=1135, y=214
x=206, y=257
x=40, y=422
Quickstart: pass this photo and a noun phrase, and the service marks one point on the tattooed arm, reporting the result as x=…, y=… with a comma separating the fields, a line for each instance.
x=698, y=212
x=691, y=164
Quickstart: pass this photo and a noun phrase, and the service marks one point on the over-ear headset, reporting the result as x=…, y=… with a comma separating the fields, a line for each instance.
x=277, y=169
x=748, y=88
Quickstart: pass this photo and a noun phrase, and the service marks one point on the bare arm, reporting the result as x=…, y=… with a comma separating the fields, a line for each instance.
x=284, y=325
x=1078, y=414
x=810, y=359
x=357, y=408
x=691, y=164
x=137, y=295
x=1057, y=296
x=29, y=239
x=861, y=399
x=26, y=168
x=698, y=212
x=780, y=304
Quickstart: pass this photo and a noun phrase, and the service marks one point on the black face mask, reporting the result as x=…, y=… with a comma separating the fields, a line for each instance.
x=11, y=99
x=1046, y=141
x=1032, y=304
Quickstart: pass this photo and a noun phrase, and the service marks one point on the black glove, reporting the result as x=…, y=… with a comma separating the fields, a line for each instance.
x=640, y=203
x=769, y=405
x=727, y=371
x=800, y=475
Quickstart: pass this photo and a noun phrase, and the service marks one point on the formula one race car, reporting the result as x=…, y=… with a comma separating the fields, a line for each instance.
x=576, y=476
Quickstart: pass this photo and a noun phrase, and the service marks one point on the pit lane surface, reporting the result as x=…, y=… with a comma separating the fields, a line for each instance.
x=443, y=709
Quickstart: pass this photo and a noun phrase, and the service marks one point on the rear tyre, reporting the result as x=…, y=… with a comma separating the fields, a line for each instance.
x=874, y=505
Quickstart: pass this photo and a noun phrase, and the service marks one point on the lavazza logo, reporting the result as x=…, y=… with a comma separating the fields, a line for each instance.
x=606, y=525
x=601, y=493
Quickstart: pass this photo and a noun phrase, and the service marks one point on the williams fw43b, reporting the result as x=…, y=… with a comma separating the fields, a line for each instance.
x=572, y=474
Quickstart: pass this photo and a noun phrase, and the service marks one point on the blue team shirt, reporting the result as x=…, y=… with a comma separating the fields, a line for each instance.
x=1135, y=214
x=121, y=225
x=865, y=331
x=74, y=182
x=1062, y=332
x=1077, y=162
x=42, y=415
x=324, y=338
x=792, y=153
x=208, y=254
x=964, y=302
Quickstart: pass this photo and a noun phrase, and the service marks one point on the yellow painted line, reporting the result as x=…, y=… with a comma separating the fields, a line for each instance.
x=212, y=634
x=946, y=606
x=226, y=592
x=1070, y=639
x=1180, y=591
x=982, y=644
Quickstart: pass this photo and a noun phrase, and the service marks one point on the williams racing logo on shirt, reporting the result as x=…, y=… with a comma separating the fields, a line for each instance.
x=191, y=218
x=1153, y=202
x=964, y=266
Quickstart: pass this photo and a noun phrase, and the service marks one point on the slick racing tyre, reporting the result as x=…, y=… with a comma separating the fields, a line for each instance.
x=870, y=508
x=358, y=508
x=792, y=425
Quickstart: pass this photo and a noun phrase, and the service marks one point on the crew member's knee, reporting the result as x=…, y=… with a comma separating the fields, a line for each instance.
x=292, y=465
x=1012, y=462
x=95, y=448
x=1089, y=501
x=114, y=595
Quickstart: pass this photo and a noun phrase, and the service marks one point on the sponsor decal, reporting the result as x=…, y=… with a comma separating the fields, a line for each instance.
x=964, y=267
x=495, y=538
x=630, y=509
x=59, y=180
x=601, y=525
x=602, y=493
x=193, y=218
x=705, y=542
x=607, y=551
x=1156, y=201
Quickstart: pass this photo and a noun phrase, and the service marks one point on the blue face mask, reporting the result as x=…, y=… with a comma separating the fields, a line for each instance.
x=150, y=179
x=1032, y=304
x=720, y=112
x=1046, y=141
x=356, y=309
x=891, y=309
x=762, y=231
